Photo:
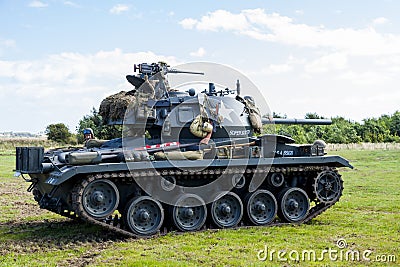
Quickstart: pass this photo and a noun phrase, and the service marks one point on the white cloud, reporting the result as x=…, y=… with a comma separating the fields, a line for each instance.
x=188, y=23
x=368, y=78
x=334, y=61
x=299, y=12
x=37, y=4
x=76, y=69
x=380, y=20
x=291, y=64
x=277, y=68
x=217, y=20
x=118, y=9
x=63, y=87
x=199, y=52
x=7, y=43
x=273, y=27
x=71, y=4
x=357, y=67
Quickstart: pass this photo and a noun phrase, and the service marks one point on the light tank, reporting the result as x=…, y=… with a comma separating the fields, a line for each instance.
x=187, y=161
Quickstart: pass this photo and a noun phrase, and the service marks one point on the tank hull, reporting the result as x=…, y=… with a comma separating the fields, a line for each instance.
x=62, y=190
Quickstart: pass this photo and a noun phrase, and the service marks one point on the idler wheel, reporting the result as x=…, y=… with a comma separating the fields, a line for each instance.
x=276, y=179
x=328, y=187
x=238, y=181
x=293, y=205
x=100, y=198
x=226, y=210
x=261, y=207
x=143, y=215
x=189, y=213
x=168, y=183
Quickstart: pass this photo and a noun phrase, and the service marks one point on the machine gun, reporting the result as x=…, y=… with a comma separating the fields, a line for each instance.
x=151, y=70
x=154, y=68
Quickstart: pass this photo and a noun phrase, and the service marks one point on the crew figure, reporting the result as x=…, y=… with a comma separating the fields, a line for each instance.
x=88, y=134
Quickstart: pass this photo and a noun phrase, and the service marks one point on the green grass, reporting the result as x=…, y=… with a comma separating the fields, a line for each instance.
x=367, y=217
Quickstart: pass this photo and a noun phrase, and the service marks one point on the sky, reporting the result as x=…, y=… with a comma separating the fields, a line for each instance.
x=59, y=59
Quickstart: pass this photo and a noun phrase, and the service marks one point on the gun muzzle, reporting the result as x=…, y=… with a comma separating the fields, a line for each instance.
x=297, y=121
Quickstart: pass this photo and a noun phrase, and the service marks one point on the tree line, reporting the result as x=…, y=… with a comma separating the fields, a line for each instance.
x=386, y=128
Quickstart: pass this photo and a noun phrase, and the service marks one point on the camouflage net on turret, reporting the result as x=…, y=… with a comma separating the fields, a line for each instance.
x=113, y=107
x=254, y=115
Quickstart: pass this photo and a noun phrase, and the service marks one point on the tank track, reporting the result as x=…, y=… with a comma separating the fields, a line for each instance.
x=114, y=223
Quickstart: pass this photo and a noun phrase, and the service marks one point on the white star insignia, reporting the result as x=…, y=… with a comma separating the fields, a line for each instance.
x=225, y=112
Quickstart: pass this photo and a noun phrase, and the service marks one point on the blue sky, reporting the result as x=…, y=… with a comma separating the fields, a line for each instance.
x=58, y=59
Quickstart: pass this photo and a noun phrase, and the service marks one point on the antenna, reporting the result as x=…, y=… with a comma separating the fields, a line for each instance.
x=238, y=87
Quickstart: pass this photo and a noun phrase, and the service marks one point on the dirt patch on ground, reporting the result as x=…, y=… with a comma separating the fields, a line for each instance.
x=17, y=202
x=73, y=237
x=25, y=229
x=88, y=256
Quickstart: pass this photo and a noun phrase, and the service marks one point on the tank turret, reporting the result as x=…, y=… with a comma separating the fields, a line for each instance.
x=160, y=110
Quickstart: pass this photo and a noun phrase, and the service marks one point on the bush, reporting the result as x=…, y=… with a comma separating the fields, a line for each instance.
x=59, y=133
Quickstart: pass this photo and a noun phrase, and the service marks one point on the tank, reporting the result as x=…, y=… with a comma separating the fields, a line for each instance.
x=188, y=160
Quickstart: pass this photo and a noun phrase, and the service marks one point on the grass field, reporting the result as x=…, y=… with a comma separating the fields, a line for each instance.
x=7, y=145
x=367, y=218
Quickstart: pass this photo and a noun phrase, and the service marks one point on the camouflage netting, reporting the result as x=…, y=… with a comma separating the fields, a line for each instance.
x=254, y=115
x=113, y=107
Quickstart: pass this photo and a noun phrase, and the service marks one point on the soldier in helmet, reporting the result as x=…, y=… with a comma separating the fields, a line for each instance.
x=90, y=139
x=88, y=134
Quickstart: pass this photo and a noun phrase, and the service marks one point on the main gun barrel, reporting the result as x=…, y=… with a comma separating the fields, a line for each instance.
x=297, y=121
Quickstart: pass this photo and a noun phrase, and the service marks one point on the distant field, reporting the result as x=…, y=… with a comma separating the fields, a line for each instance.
x=7, y=145
x=367, y=218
